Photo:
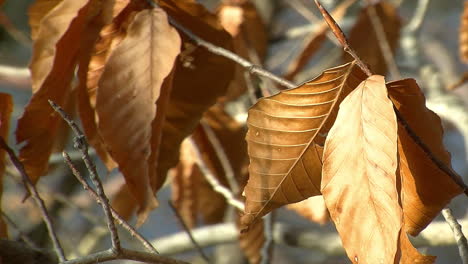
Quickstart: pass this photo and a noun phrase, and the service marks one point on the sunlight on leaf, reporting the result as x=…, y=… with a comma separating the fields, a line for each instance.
x=285, y=134
x=359, y=174
x=141, y=61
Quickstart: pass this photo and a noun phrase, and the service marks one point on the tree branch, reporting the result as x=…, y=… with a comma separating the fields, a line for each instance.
x=37, y=198
x=462, y=243
x=81, y=144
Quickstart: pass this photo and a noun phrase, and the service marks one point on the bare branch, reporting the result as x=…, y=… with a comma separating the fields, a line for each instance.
x=228, y=195
x=462, y=243
x=326, y=241
x=37, y=198
x=189, y=233
x=127, y=254
x=117, y=217
x=224, y=160
x=81, y=144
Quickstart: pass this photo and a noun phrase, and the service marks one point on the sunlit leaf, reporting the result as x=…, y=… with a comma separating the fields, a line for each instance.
x=463, y=41
x=312, y=208
x=426, y=189
x=359, y=174
x=285, y=136
x=141, y=62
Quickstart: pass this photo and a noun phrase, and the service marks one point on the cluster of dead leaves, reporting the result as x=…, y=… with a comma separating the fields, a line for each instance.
x=343, y=146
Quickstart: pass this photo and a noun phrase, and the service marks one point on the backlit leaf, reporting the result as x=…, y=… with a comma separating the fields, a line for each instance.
x=426, y=189
x=194, y=88
x=285, y=136
x=141, y=62
x=359, y=174
x=55, y=53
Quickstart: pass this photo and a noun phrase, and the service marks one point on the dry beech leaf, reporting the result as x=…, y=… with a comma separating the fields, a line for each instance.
x=426, y=189
x=185, y=185
x=191, y=191
x=124, y=203
x=285, y=133
x=315, y=40
x=91, y=66
x=38, y=10
x=141, y=61
x=242, y=20
x=409, y=254
x=463, y=41
x=6, y=107
x=359, y=174
x=194, y=89
x=55, y=52
x=313, y=209
x=252, y=242
x=363, y=38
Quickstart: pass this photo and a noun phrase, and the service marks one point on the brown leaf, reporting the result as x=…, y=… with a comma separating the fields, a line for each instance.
x=314, y=41
x=242, y=20
x=426, y=189
x=363, y=38
x=252, y=242
x=359, y=174
x=409, y=254
x=313, y=209
x=124, y=203
x=284, y=136
x=91, y=66
x=185, y=185
x=463, y=41
x=192, y=194
x=194, y=88
x=38, y=10
x=6, y=107
x=141, y=61
x=55, y=53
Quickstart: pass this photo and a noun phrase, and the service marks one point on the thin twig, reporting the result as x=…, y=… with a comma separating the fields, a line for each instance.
x=22, y=235
x=117, y=217
x=81, y=144
x=37, y=198
x=462, y=243
x=223, y=158
x=254, y=69
x=383, y=41
x=189, y=233
x=342, y=38
x=217, y=187
x=127, y=254
x=418, y=17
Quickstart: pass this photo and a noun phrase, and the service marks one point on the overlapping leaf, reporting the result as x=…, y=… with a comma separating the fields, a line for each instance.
x=359, y=174
x=242, y=20
x=426, y=189
x=194, y=88
x=367, y=44
x=6, y=107
x=61, y=34
x=91, y=66
x=284, y=138
x=312, y=208
x=252, y=242
x=141, y=61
